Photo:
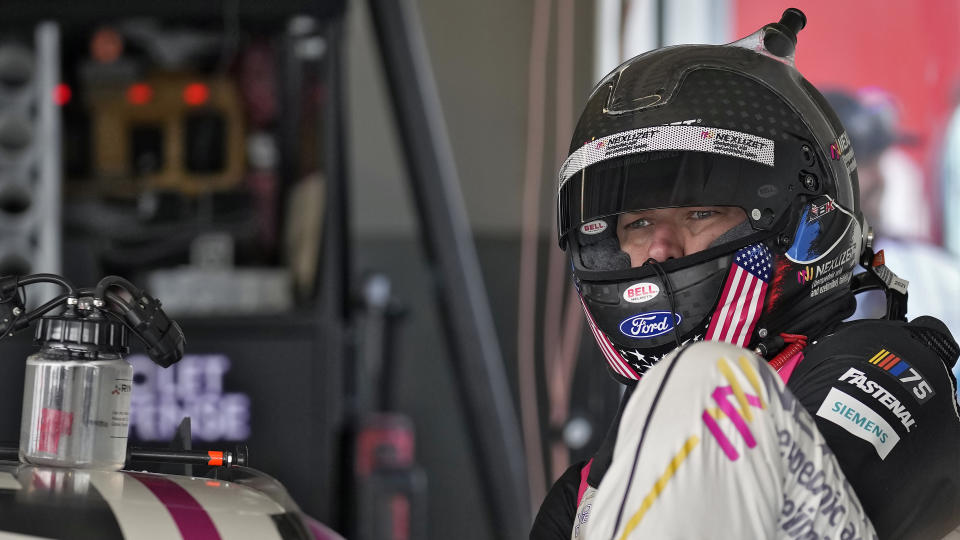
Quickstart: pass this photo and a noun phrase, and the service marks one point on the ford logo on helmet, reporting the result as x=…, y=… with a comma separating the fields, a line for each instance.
x=648, y=325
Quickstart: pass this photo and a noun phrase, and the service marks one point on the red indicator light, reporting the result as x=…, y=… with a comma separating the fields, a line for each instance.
x=139, y=94
x=106, y=45
x=196, y=94
x=62, y=94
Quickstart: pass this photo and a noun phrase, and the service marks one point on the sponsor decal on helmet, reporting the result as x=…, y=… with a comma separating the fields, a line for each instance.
x=648, y=325
x=641, y=292
x=842, y=150
x=669, y=137
x=629, y=140
x=737, y=144
x=767, y=190
x=810, y=244
x=817, y=211
x=826, y=276
x=840, y=146
x=596, y=226
x=833, y=273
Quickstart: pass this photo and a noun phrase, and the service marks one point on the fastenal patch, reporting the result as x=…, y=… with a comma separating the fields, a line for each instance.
x=859, y=420
x=655, y=138
x=857, y=378
x=904, y=373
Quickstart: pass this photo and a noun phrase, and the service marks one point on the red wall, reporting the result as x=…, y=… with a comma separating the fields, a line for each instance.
x=912, y=53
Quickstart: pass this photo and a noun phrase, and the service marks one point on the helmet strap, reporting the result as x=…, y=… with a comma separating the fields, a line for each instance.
x=878, y=276
x=673, y=301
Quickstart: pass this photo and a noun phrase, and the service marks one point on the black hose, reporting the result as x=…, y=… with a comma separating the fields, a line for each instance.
x=111, y=281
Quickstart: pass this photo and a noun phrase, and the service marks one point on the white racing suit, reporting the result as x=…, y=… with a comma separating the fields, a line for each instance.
x=712, y=445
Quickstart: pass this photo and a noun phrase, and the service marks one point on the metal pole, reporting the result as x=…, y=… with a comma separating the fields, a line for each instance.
x=471, y=340
x=332, y=352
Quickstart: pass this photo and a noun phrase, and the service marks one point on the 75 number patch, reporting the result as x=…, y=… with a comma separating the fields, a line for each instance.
x=904, y=373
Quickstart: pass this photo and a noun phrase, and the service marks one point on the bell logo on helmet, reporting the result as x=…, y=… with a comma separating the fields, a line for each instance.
x=767, y=190
x=648, y=325
x=641, y=292
x=594, y=227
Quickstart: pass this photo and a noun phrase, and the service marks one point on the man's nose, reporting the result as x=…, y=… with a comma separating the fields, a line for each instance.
x=666, y=243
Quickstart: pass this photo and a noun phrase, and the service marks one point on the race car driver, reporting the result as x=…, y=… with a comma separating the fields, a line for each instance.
x=710, y=195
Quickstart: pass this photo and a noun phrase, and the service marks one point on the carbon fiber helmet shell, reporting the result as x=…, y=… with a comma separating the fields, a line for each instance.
x=691, y=125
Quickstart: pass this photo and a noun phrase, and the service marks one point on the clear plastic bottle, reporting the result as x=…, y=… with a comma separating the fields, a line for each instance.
x=76, y=396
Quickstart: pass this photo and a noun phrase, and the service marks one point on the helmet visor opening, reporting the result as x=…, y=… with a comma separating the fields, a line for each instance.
x=668, y=179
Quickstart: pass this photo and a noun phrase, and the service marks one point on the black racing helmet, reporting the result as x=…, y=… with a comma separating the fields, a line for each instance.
x=708, y=125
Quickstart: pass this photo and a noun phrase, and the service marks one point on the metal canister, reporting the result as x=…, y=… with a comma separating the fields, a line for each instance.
x=76, y=395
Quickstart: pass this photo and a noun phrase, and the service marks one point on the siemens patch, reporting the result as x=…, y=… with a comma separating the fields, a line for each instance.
x=859, y=420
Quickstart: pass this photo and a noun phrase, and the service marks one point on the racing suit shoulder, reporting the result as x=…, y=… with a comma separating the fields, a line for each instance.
x=554, y=521
x=884, y=397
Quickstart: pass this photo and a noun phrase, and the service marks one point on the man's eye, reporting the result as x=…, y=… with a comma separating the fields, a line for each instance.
x=637, y=224
x=702, y=214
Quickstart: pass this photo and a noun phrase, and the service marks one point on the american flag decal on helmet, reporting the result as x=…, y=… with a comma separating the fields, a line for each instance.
x=617, y=362
x=742, y=299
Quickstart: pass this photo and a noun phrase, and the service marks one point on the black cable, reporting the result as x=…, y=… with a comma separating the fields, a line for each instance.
x=19, y=288
x=662, y=274
x=45, y=278
x=40, y=311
